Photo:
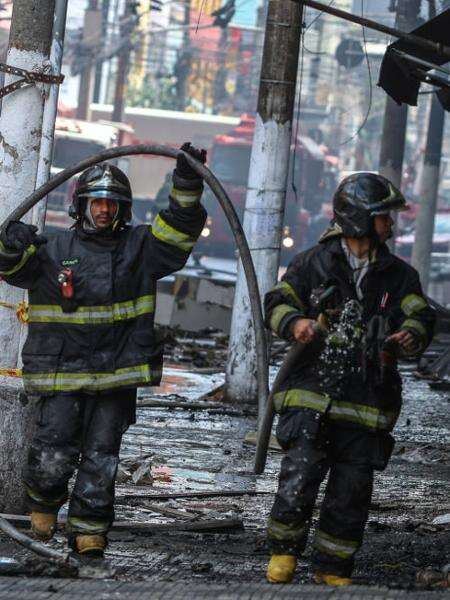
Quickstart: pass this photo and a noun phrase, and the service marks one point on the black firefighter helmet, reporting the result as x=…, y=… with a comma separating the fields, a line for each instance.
x=359, y=198
x=102, y=181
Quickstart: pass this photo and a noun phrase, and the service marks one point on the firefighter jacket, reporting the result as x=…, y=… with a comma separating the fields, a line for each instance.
x=105, y=340
x=391, y=290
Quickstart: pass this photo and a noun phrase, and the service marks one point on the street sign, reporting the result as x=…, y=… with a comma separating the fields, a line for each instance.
x=349, y=53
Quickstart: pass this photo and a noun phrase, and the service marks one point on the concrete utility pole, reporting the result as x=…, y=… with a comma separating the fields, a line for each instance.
x=266, y=193
x=99, y=68
x=21, y=123
x=123, y=65
x=429, y=183
x=421, y=258
x=221, y=74
x=183, y=66
x=392, y=149
x=91, y=31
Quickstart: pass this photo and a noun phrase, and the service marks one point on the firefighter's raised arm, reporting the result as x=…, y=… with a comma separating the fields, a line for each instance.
x=176, y=229
x=19, y=260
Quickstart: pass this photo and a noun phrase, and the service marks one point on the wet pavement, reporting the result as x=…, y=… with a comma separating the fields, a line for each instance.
x=197, y=452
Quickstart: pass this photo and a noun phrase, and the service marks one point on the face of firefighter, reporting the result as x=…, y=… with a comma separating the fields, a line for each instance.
x=103, y=212
x=383, y=227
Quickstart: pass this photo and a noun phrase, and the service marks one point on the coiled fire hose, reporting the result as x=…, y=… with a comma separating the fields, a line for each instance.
x=247, y=263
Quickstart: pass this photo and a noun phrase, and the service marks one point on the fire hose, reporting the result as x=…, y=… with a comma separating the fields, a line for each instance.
x=247, y=263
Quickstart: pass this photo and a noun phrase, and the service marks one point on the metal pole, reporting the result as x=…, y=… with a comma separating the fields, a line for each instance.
x=423, y=242
x=221, y=73
x=397, y=32
x=50, y=109
x=99, y=66
x=266, y=193
x=123, y=66
x=21, y=123
x=86, y=88
x=392, y=150
x=184, y=60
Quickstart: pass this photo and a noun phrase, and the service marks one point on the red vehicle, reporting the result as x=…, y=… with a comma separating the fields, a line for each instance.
x=229, y=159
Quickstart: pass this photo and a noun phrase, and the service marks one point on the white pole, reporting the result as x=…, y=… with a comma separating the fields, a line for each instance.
x=266, y=194
x=21, y=123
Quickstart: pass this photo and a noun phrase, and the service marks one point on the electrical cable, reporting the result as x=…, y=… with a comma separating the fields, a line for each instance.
x=297, y=116
x=317, y=17
x=369, y=71
x=202, y=6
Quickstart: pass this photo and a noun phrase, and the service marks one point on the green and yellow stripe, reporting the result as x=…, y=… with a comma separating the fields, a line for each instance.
x=169, y=235
x=186, y=198
x=69, y=382
x=28, y=253
x=93, y=315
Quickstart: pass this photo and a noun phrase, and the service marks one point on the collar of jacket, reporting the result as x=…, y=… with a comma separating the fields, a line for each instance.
x=383, y=259
x=105, y=239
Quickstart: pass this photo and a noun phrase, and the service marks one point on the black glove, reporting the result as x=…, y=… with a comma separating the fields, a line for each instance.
x=183, y=169
x=19, y=236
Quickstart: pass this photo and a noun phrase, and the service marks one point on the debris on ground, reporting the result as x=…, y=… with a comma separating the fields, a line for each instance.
x=187, y=497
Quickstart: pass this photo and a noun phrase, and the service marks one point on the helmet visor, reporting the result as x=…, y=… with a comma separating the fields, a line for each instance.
x=395, y=201
x=110, y=195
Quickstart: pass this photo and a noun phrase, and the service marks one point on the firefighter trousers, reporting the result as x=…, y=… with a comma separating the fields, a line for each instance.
x=83, y=433
x=314, y=447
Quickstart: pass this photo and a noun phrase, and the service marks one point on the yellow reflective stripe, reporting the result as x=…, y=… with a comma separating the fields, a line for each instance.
x=25, y=257
x=278, y=314
x=282, y=531
x=368, y=416
x=65, y=382
x=335, y=546
x=133, y=308
x=295, y=398
x=186, y=198
x=169, y=235
x=119, y=311
x=416, y=326
x=287, y=290
x=88, y=526
x=412, y=304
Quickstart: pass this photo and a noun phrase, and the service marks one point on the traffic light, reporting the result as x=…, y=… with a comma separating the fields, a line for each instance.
x=224, y=14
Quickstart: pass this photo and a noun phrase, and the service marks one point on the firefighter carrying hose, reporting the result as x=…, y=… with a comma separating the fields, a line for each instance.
x=334, y=420
x=91, y=340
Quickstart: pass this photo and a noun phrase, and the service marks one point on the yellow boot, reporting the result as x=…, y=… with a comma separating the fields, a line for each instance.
x=281, y=568
x=43, y=525
x=332, y=579
x=94, y=545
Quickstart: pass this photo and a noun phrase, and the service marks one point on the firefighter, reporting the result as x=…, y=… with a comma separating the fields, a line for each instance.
x=338, y=421
x=91, y=339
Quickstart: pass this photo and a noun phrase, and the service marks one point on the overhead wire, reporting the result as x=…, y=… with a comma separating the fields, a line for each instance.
x=299, y=102
x=317, y=17
x=369, y=72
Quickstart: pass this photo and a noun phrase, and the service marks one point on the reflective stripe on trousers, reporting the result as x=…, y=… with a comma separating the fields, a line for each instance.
x=334, y=546
x=68, y=382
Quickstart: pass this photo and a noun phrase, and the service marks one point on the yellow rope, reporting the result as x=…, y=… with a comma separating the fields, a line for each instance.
x=22, y=314
x=11, y=372
x=21, y=310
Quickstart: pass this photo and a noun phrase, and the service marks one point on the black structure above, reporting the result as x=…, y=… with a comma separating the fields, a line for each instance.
x=405, y=66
